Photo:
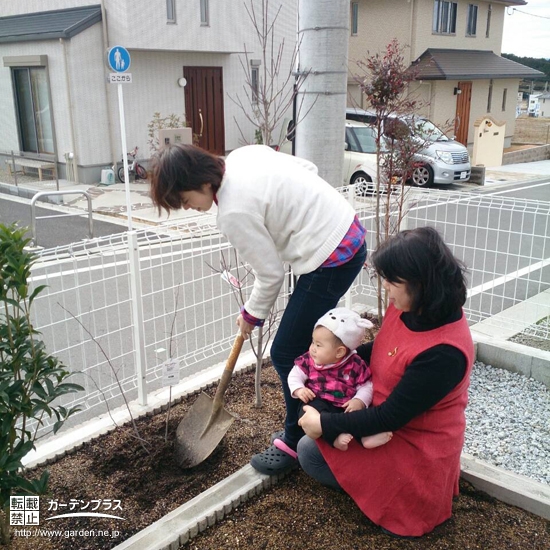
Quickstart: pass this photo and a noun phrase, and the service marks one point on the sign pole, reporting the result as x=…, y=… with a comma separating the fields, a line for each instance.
x=119, y=60
x=124, y=155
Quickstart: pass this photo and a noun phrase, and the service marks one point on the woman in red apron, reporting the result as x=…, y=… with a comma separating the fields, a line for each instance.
x=421, y=361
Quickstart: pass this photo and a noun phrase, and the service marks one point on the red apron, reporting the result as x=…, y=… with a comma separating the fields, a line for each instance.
x=407, y=486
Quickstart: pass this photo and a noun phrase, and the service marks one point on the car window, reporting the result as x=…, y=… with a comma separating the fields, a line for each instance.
x=428, y=131
x=360, y=117
x=361, y=139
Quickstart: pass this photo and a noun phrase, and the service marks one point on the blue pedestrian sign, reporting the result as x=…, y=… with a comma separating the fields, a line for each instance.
x=119, y=59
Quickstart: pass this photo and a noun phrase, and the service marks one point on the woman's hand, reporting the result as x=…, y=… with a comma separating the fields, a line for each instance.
x=245, y=328
x=311, y=422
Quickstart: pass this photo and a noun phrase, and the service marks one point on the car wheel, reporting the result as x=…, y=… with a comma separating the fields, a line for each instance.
x=422, y=176
x=363, y=184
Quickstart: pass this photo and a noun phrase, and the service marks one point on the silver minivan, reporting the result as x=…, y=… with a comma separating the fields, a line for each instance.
x=441, y=161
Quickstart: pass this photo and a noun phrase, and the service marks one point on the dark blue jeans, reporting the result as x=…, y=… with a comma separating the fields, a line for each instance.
x=314, y=295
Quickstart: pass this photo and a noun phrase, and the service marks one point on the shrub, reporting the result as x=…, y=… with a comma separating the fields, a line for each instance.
x=30, y=379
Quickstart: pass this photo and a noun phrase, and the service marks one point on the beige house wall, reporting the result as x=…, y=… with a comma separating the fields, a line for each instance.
x=509, y=114
x=443, y=106
x=424, y=38
x=379, y=22
x=411, y=22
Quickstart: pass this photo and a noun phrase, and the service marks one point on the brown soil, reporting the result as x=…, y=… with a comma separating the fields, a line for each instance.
x=297, y=513
x=532, y=130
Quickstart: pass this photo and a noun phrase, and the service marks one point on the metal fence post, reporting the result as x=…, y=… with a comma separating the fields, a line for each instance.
x=351, y=199
x=14, y=168
x=137, y=316
x=41, y=194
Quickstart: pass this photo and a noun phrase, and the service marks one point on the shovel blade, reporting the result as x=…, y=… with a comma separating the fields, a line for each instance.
x=199, y=433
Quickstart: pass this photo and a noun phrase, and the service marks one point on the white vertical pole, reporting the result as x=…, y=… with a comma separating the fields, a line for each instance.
x=137, y=317
x=135, y=276
x=351, y=200
x=124, y=156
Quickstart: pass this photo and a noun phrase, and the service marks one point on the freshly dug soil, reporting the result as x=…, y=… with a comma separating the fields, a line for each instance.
x=297, y=513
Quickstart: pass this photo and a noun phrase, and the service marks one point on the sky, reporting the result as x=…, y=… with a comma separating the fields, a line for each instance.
x=528, y=35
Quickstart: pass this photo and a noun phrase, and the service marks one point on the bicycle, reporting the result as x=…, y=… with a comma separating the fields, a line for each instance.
x=133, y=167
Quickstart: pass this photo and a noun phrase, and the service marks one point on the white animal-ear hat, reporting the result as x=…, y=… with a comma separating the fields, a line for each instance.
x=347, y=325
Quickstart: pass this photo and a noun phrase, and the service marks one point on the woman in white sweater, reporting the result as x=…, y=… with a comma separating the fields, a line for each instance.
x=274, y=209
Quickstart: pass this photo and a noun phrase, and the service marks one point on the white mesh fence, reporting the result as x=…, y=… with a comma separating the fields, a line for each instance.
x=187, y=310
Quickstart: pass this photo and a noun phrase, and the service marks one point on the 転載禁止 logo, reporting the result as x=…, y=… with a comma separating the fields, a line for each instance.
x=25, y=510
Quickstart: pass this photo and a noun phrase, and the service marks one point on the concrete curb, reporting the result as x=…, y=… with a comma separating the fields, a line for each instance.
x=507, y=487
x=530, y=362
x=193, y=517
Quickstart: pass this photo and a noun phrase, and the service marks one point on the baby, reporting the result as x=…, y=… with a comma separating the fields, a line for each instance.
x=331, y=376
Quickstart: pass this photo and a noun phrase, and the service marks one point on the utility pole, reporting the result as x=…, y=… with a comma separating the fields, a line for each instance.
x=323, y=35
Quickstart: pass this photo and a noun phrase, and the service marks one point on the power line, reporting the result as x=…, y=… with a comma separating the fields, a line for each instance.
x=531, y=14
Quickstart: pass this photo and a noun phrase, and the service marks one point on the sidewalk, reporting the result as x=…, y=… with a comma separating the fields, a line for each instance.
x=108, y=202
x=518, y=173
x=111, y=200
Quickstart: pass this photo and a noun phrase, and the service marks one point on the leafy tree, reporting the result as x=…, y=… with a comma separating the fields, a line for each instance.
x=30, y=380
x=540, y=64
x=385, y=81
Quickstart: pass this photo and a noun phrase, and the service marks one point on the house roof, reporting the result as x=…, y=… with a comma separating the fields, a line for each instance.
x=46, y=25
x=443, y=64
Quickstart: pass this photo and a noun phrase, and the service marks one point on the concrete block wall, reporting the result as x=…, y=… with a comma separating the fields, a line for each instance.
x=532, y=154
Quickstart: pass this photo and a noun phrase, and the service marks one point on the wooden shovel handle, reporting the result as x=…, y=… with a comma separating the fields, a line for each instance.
x=229, y=367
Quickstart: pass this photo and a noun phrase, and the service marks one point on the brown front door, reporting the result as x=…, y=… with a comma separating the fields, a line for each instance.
x=204, y=106
x=463, y=101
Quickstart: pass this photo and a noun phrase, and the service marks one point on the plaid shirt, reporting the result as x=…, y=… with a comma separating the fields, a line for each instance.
x=350, y=244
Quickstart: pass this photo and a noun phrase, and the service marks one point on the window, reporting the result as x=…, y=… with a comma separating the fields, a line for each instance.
x=254, y=83
x=488, y=29
x=354, y=18
x=444, y=21
x=490, y=96
x=32, y=99
x=205, y=18
x=472, y=20
x=504, y=94
x=171, y=11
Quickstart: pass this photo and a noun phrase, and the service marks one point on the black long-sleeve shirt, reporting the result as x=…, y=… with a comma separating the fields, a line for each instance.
x=431, y=376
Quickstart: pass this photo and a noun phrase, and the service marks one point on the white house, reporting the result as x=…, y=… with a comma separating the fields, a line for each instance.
x=544, y=105
x=533, y=107
x=55, y=99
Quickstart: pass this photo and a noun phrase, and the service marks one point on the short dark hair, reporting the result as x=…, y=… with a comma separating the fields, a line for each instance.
x=434, y=278
x=177, y=168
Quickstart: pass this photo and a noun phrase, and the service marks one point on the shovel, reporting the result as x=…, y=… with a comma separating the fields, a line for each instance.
x=206, y=422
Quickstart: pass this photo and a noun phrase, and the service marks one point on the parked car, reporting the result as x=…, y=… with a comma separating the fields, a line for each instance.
x=441, y=160
x=359, y=155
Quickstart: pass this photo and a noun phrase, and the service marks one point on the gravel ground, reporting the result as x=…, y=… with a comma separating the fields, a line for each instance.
x=508, y=422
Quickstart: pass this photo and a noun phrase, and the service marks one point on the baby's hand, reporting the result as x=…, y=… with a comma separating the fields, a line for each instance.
x=305, y=395
x=354, y=405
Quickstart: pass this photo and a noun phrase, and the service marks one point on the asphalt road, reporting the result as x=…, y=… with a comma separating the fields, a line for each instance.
x=53, y=232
